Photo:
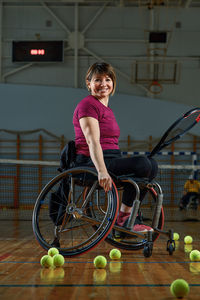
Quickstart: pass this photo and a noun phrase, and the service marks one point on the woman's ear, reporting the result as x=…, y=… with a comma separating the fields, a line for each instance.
x=88, y=85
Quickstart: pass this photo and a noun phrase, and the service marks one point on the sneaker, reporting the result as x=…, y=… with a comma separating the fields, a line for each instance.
x=142, y=228
x=138, y=226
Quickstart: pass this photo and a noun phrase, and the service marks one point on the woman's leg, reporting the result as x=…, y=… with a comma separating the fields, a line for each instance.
x=140, y=166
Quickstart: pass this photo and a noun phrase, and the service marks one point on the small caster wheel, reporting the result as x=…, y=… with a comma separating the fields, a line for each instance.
x=147, y=251
x=171, y=249
x=171, y=246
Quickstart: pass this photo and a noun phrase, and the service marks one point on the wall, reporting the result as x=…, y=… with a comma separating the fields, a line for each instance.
x=32, y=107
x=121, y=42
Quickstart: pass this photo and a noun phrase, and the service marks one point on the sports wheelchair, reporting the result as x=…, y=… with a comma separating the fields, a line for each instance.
x=74, y=214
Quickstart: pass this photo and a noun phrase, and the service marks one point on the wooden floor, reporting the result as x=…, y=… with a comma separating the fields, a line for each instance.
x=133, y=277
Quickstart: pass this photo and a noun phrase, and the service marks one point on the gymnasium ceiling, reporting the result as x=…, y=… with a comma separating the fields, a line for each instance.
x=91, y=31
x=126, y=3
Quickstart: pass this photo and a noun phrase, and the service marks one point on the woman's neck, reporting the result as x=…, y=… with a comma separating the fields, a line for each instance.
x=104, y=101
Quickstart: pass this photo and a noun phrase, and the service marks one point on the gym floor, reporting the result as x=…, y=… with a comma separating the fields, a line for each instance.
x=133, y=276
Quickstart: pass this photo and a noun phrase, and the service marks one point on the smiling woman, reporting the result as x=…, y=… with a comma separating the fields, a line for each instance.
x=96, y=138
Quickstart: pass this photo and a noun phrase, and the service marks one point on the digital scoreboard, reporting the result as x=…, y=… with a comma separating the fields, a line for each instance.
x=37, y=51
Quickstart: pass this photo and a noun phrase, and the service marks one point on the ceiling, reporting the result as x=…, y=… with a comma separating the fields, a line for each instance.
x=126, y=3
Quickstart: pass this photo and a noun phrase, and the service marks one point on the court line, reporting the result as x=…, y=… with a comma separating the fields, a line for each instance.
x=92, y=285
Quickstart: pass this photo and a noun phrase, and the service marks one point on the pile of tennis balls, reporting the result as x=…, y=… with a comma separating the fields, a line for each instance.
x=194, y=254
x=52, y=259
x=100, y=261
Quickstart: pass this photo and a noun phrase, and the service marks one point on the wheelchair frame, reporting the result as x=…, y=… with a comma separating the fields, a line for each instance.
x=88, y=218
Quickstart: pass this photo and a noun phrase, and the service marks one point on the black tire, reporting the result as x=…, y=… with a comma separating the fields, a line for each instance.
x=171, y=249
x=136, y=243
x=74, y=233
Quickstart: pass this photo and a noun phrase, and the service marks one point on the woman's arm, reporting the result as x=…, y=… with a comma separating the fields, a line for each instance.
x=90, y=128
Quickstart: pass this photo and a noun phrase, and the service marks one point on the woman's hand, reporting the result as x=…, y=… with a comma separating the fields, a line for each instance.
x=105, y=181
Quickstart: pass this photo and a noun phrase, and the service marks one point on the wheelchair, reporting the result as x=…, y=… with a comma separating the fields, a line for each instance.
x=85, y=215
x=193, y=202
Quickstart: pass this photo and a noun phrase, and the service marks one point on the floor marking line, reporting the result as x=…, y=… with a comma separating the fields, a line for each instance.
x=92, y=285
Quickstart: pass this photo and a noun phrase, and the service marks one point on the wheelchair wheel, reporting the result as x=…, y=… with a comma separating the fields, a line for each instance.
x=131, y=242
x=66, y=223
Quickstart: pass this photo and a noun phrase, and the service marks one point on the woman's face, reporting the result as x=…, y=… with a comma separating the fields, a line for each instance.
x=101, y=86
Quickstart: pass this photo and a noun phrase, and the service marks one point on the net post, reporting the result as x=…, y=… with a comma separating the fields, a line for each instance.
x=17, y=182
x=16, y=193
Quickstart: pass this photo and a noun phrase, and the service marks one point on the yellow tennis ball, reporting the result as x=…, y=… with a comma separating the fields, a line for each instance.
x=188, y=239
x=176, y=236
x=46, y=261
x=115, y=254
x=53, y=251
x=179, y=288
x=100, y=262
x=58, y=260
x=195, y=255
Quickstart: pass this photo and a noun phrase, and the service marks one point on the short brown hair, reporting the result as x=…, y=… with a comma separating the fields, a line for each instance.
x=101, y=68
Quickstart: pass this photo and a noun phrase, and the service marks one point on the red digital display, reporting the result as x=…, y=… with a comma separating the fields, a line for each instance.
x=37, y=52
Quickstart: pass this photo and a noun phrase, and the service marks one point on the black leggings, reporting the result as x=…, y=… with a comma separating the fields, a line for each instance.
x=139, y=166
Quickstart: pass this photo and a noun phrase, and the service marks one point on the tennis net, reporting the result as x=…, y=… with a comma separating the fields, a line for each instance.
x=22, y=180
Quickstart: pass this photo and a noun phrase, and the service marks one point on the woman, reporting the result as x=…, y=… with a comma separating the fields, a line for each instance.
x=96, y=138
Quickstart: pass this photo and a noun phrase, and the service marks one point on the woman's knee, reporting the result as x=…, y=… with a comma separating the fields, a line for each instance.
x=154, y=168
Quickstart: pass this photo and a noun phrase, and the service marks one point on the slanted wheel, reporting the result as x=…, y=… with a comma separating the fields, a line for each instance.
x=61, y=217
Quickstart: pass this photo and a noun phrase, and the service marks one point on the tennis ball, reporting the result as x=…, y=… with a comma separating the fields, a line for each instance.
x=46, y=261
x=100, y=262
x=179, y=288
x=53, y=251
x=195, y=255
x=176, y=236
x=188, y=239
x=115, y=254
x=99, y=275
x=58, y=260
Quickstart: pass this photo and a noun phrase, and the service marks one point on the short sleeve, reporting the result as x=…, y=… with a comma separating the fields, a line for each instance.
x=87, y=109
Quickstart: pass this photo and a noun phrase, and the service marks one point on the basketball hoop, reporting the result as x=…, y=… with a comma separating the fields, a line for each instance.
x=155, y=87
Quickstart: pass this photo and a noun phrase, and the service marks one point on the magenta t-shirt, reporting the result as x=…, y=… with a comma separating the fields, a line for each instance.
x=109, y=129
